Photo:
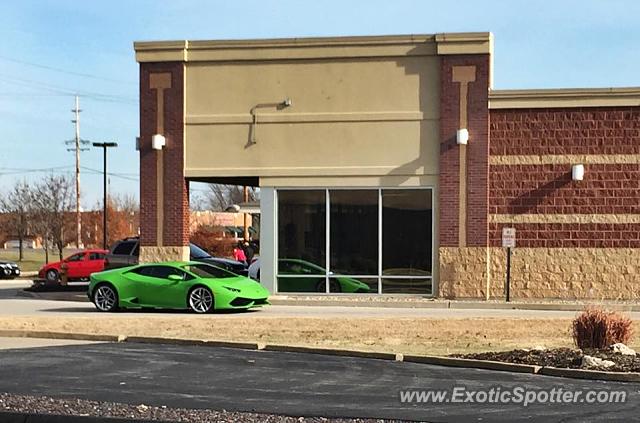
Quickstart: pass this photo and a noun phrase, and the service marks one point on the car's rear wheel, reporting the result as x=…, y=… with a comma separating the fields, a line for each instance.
x=201, y=300
x=52, y=276
x=334, y=286
x=105, y=298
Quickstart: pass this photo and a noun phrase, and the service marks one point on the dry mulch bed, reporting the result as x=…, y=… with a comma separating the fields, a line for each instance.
x=78, y=407
x=559, y=357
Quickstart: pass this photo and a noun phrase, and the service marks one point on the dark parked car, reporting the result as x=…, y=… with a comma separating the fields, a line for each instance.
x=126, y=251
x=9, y=270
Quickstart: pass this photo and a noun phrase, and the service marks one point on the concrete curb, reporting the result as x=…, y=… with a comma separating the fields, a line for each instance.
x=18, y=333
x=17, y=417
x=357, y=303
x=331, y=351
x=462, y=305
x=473, y=364
x=432, y=360
x=195, y=342
x=590, y=374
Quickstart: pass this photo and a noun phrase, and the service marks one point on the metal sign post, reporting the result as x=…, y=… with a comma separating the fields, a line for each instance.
x=508, y=242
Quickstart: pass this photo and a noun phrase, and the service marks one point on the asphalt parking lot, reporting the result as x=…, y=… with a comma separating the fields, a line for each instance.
x=284, y=383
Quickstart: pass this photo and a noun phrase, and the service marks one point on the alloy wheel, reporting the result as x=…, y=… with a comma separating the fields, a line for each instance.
x=201, y=300
x=105, y=298
x=52, y=276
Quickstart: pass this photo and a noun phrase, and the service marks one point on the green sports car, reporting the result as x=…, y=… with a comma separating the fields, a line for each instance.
x=289, y=283
x=177, y=285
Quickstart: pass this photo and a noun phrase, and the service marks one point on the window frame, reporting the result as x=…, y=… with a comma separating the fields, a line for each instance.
x=328, y=274
x=82, y=256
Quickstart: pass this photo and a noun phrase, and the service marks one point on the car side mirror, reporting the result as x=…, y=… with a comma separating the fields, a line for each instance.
x=175, y=278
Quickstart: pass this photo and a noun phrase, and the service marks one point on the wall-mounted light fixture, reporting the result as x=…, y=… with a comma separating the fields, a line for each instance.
x=158, y=141
x=254, y=116
x=462, y=136
x=577, y=172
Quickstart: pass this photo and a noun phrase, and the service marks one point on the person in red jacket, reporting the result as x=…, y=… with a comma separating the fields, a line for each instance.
x=238, y=253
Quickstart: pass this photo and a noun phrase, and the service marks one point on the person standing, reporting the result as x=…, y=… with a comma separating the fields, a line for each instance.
x=249, y=251
x=238, y=253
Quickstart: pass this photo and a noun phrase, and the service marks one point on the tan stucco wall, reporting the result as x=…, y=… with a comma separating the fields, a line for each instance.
x=541, y=273
x=373, y=116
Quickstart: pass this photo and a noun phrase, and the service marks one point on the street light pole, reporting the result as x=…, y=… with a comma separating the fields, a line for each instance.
x=104, y=146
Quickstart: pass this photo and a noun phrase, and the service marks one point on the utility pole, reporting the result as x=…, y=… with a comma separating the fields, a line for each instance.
x=77, y=142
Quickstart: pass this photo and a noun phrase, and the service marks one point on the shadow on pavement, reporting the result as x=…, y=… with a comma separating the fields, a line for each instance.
x=143, y=311
x=56, y=288
x=8, y=292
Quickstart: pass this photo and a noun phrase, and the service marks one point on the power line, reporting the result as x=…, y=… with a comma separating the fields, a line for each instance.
x=62, y=169
x=117, y=175
x=59, y=90
x=51, y=68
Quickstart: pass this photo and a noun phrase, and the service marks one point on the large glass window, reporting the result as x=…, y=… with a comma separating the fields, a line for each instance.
x=354, y=232
x=301, y=240
x=407, y=232
x=376, y=241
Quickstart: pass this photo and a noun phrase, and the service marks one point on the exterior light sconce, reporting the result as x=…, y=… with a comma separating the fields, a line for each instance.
x=577, y=172
x=462, y=136
x=158, y=141
x=254, y=116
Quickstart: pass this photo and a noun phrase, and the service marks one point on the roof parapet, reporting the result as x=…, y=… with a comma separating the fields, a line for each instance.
x=564, y=97
x=321, y=47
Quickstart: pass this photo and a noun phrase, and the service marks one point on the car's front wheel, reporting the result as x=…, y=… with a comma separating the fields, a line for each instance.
x=201, y=300
x=52, y=276
x=105, y=298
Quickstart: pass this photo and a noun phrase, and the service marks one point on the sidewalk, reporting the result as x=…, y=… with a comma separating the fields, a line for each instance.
x=423, y=302
x=391, y=302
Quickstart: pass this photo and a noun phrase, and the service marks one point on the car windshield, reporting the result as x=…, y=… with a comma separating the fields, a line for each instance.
x=197, y=252
x=207, y=271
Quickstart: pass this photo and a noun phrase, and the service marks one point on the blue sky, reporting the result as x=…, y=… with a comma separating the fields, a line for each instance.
x=49, y=47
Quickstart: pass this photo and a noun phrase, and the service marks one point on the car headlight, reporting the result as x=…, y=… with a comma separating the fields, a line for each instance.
x=232, y=289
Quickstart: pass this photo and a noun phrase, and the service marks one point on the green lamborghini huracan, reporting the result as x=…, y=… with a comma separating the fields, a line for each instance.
x=177, y=285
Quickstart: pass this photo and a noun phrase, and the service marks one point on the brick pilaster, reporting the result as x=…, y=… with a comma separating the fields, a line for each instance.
x=175, y=192
x=477, y=154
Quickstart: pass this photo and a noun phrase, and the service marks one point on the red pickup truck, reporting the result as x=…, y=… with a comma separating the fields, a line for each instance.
x=78, y=266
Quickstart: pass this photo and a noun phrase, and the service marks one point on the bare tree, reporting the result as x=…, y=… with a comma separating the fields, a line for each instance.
x=125, y=203
x=16, y=205
x=222, y=196
x=53, y=201
x=40, y=225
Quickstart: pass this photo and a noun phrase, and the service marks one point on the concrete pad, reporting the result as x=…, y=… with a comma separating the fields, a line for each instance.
x=13, y=343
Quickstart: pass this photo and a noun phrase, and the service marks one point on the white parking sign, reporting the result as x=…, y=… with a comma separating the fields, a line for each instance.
x=509, y=237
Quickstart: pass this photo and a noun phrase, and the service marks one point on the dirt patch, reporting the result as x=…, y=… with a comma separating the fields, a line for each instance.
x=423, y=336
x=559, y=357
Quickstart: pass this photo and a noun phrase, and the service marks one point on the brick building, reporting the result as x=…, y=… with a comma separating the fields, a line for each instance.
x=389, y=165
